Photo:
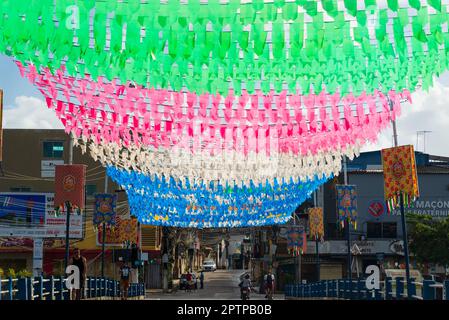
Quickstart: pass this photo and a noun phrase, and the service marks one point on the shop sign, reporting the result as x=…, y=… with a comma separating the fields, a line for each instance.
x=376, y=208
x=397, y=247
x=434, y=208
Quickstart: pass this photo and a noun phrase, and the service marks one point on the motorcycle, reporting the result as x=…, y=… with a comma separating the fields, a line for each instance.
x=245, y=293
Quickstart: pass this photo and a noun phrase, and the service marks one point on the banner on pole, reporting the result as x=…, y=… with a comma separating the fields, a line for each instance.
x=69, y=185
x=105, y=209
x=124, y=230
x=347, y=204
x=400, y=176
x=128, y=231
x=296, y=239
x=316, y=224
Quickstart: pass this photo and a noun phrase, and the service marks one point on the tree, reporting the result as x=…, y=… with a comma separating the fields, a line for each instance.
x=429, y=239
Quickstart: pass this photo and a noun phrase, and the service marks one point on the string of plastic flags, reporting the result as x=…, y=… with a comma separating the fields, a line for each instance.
x=212, y=47
x=166, y=201
x=225, y=113
x=120, y=114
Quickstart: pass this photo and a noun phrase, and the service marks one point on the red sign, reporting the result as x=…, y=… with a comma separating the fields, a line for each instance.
x=69, y=184
x=376, y=208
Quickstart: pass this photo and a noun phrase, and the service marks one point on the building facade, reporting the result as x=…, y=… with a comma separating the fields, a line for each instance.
x=378, y=237
x=29, y=159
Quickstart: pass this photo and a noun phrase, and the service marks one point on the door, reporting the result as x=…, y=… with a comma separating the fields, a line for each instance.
x=153, y=276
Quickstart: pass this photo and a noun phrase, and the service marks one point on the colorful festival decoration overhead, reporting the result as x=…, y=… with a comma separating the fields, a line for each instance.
x=347, y=205
x=169, y=202
x=400, y=176
x=225, y=113
x=105, y=209
x=345, y=46
x=316, y=224
x=124, y=130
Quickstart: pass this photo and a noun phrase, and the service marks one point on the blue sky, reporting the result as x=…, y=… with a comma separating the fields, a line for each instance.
x=12, y=83
x=25, y=108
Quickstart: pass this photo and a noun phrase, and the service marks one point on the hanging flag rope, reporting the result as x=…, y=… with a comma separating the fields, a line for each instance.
x=213, y=47
x=166, y=201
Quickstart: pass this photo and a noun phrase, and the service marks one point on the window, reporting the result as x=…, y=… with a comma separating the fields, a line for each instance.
x=334, y=232
x=374, y=230
x=389, y=230
x=91, y=189
x=20, y=189
x=53, y=149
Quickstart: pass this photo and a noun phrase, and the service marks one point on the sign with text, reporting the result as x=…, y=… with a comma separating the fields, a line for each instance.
x=32, y=215
x=48, y=167
x=397, y=247
x=432, y=207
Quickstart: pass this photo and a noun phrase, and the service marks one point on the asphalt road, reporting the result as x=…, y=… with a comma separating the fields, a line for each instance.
x=218, y=285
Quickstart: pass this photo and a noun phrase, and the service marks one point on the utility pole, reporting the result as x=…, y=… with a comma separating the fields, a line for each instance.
x=104, y=228
x=67, y=233
x=348, y=231
x=71, y=148
x=68, y=209
x=165, y=260
x=403, y=220
x=317, y=250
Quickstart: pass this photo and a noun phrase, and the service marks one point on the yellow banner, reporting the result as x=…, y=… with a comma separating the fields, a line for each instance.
x=400, y=175
x=316, y=225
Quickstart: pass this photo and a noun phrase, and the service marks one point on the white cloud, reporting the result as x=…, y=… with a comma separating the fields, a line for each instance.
x=430, y=112
x=30, y=113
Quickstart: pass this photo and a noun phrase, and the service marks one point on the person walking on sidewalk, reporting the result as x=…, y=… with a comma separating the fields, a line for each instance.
x=269, y=285
x=125, y=271
x=79, y=261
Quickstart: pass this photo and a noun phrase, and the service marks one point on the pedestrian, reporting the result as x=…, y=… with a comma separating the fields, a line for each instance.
x=269, y=285
x=188, y=281
x=202, y=280
x=79, y=261
x=125, y=271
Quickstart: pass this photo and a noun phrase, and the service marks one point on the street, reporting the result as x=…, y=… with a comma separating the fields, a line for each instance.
x=218, y=285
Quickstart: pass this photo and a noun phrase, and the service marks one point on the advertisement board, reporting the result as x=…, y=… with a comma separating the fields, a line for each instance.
x=32, y=215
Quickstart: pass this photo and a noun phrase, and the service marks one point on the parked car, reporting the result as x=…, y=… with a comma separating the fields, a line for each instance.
x=183, y=281
x=209, y=265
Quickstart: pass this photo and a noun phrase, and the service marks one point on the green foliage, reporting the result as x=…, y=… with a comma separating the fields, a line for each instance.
x=429, y=239
x=11, y=273
x=24, y=273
